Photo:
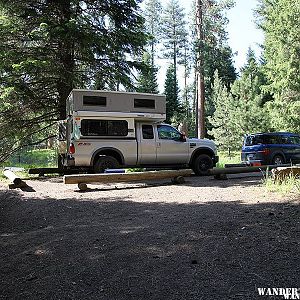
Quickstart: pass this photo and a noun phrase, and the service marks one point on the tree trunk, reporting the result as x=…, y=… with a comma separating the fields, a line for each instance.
x=200, y=77
x=66, y=59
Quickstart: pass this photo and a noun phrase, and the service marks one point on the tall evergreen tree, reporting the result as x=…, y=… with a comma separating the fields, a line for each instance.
x=49, y=47
x=216, y=54
x=152, y=14
x=279, y=20
x=241, y=110
x=173, y=32
x=251, y=114
x=223, y=120
x=172, y=98
x=147, y=79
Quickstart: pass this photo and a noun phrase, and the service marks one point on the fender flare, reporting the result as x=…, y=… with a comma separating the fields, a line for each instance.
x=201, y=150
x=104, y=150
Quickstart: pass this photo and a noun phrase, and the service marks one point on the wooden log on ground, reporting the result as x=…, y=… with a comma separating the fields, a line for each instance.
x=18, y=186
x=178, y=180
x=125, y=177
x=235, y=165
x=16, y=180
x=281, y=173
x=237, y=170
x=43, y=171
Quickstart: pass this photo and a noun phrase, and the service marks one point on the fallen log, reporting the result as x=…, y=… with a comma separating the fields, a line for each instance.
x=43, y=171
x=281, y=173
x=237, y=170
x=125, y=177
x=16, y=180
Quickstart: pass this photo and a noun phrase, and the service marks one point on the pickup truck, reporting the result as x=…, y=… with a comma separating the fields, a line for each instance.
x=103, y=140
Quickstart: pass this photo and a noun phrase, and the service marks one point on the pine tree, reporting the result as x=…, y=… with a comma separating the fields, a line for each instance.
x=243, y=109
x=173, y=32
x=216, y=54
x=279, y=20
x=147, y=79
x=172, y=98
x=152, y=14
x=223, y=120
x=251, y=114
x=49, y=47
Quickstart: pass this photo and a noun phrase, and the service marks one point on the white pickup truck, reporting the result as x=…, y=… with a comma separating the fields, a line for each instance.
x=109, y=130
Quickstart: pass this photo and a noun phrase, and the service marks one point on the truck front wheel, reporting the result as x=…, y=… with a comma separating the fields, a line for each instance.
x=105, y=162
x=202, y=164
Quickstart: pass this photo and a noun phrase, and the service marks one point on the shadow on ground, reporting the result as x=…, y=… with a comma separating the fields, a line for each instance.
x=113, y=248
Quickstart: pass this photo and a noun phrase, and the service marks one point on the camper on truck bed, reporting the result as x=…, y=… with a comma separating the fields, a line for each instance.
x=109, y=130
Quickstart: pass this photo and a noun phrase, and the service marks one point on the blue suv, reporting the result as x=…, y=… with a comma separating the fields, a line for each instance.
x=271, y=148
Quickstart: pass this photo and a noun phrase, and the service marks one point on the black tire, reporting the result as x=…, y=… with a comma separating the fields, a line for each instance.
x=202, y=164
x=278, y=160
x=105, y=162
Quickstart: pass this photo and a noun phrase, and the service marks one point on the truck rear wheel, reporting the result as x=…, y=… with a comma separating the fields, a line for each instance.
x=202, y=164
x=105, y=162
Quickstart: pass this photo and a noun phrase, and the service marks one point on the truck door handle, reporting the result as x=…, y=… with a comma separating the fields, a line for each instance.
x=158, y=145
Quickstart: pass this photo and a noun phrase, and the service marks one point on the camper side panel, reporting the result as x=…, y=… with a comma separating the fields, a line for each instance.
x=85, y=100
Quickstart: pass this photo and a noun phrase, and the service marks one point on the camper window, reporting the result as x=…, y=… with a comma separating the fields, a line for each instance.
x=144, y=103
x=94, y=100
x=104, y=128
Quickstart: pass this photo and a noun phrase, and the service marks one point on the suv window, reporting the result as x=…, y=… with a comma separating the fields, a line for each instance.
x=295, y=139
x=266, y=139
x=104, y=128
x=168, y=133
x=253, y=140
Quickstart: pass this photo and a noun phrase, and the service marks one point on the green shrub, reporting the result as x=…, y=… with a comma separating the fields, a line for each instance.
x=40, y=158
x=290, y=184
x=226, y=158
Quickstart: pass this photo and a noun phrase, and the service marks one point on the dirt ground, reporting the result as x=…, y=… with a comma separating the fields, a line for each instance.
x=204, y=239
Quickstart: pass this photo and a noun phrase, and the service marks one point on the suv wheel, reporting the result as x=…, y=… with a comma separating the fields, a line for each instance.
x=202, y=164
x=105, y=162
x=277, y=160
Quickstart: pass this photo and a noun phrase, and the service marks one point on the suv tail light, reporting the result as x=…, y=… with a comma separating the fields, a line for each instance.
x=72, y=148
x=266, y=151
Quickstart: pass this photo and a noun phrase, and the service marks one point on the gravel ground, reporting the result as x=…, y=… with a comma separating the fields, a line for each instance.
x=204, y=239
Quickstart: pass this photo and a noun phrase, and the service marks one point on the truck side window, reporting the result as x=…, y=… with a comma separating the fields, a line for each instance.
x=147, y=131
x=168, y=133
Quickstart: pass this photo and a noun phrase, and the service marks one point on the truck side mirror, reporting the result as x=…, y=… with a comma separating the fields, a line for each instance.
x=182, y=137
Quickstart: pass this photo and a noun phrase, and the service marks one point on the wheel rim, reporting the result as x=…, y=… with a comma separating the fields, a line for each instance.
x=107, y=165
x=278, y=161
x=204, y=165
